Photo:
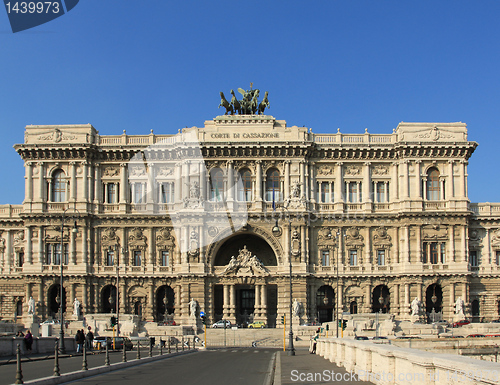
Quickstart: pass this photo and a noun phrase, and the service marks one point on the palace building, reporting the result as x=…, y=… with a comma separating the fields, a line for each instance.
x=214, y=214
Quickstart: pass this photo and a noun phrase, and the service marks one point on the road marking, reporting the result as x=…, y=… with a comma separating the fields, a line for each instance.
x=255, y=351
x=233, y=351
x=245, y=351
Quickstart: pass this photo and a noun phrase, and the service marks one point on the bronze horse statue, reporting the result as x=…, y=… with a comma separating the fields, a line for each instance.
x=264, y=104
x=224, y=103
x=236, y=104
x=255, y=102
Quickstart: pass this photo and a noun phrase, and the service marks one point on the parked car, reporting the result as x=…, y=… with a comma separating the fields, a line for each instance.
x=475, y=335
x=362, y=338
x=257, y=325
x=113, y=342
x=221, y=323
x=379, y=338
x=460, y=323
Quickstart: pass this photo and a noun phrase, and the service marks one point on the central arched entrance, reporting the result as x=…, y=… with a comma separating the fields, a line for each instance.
x=243, y=293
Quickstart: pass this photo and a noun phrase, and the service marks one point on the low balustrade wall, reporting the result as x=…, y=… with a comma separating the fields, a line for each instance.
x=8, y=345
x=387, y=364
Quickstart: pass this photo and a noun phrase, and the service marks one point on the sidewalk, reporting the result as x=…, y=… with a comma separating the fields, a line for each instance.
x=306, y=368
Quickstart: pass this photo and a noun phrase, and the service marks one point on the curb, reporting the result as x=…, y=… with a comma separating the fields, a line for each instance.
x=102, y=369
x=270, y=372
x=277, y=371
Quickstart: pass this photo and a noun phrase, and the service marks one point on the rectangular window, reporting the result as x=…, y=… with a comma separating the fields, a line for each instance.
x=48, y=254
x=57, y=254
x=325, y=258
x=137, y=258
x=167, y=193
x=434, y=253
x=138, y=193
x=424, y=253
x=380, y=192
x=110, y=258
x=473, y=260
x=381, y=257
x=165, y=255
x=353, y=257
x=353, y=192
x=325, y=192
x=20, y=259
x=112, y=196
x=443, y=252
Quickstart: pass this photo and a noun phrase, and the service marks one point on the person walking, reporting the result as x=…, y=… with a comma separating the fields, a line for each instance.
x=28, y=341
x=80, y=340
x=314, y=341
x=90, y=339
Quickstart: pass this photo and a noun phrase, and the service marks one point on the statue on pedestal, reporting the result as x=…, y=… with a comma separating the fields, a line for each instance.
x=31, y=306
x=459, y=306
x=193, y=308
x=76, y=307
x=415, y=307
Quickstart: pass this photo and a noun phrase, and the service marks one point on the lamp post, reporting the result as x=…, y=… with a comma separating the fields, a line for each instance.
x=276, y=230
x=337, y=296
x=61, y=347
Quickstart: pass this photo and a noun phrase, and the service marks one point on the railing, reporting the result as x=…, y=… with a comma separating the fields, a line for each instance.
x=10, y=210
x=355, y=138
x=123, y=140
x=435, y=205
x=484, y=209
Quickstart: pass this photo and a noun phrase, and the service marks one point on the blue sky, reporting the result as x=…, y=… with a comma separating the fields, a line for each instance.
x=136, y=66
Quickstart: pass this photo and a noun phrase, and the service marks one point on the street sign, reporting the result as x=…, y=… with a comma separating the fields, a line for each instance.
x=202, y=313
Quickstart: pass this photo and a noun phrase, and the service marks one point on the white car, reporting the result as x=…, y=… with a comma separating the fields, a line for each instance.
x=220, y=324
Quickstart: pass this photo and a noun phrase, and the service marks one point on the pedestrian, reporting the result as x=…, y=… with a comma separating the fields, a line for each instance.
x=28, y=341
x=80, y=340
x=20, y=334
x=314, y=341
x=90, y=339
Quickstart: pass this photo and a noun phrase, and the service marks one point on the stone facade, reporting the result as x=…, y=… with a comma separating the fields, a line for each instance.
x=380, y=219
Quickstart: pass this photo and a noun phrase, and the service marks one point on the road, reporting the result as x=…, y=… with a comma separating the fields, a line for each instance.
x=218, y=367
x=212, y=367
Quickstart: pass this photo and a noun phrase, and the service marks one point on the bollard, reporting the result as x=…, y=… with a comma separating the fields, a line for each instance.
x=182, y=342
x=124, y=357
x=19, y=372
x=194, y=342
x=161, y=347
x=84, y=364
x=106, y=360
x=176, y=345
x=138, y=350
x=169, y=351
x=188, y=343
x=150, y=349
x=57, y=372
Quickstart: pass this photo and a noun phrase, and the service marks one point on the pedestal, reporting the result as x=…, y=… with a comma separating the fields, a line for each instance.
x=31, y=322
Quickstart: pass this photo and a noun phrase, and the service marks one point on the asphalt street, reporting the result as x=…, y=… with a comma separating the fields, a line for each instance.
x=211, y=367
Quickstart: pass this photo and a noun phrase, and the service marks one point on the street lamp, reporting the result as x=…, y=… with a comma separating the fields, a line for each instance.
x=276, y=231
x=337, y=236
x=62, y=348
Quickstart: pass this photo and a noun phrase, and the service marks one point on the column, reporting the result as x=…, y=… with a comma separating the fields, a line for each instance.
x=303, y=248
x=407, y=299
x=286, y=192
x=404, y=179
x=72, y=249
x=368, y=296
x=178, y=182
x=226, y=306
x=368, y=247
x=97, y=184
x=203, y=181
x=339, y=183
x=441, y=188
x=150, y=313
x=72, y=187
x=84, y=245
x=263, y=300
x=85, y=301
x=185, y=245
x=418, y=183
x=366, y=182
x=40, y=298
x=386, y=191
x=406, y=235
x=8, y=248
x=257, y=301
x=29, y=181
x=85, y=181
x=312, y=179
x=41, y=182
x=394, y=180
x=418, y=233
x=72, y=296
x=396, y=258
x=29, y=246
x=185, y=179
x=232, y=302
x=124, y=250
x=396, y=305
x=123, y=295
x=464, y=244
x=465, y=294
x=151, y=246
x=258, y=180
x=451, y=243
x=97, y=299
x=358, y=187
x=230, y=181
x=40, y=245
x=461, y=180
x=303, y=178
x=452, y=296
x=341, y=299
x=419, y=291
x=450, y=185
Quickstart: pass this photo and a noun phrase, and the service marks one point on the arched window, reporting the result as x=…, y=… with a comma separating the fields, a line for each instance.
x=245, y=188
x=216, y=185
x=433, y=191
x=58, y=186
x=273, y=188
